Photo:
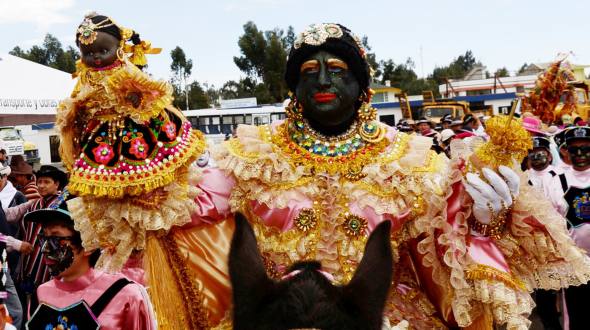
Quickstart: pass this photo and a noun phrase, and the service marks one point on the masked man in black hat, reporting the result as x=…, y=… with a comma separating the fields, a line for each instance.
x=82, y=296
x=540, y=171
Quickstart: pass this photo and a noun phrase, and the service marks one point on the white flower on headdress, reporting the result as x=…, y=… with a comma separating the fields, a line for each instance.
x=317, y=34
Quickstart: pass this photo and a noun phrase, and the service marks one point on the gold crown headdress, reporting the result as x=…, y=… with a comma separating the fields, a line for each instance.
x=87, y=28
x=88, y=33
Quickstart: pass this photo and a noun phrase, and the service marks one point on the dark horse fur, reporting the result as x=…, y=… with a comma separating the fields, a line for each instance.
x=308, y=299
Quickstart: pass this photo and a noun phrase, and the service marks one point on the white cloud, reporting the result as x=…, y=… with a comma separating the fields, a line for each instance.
x=42, y=13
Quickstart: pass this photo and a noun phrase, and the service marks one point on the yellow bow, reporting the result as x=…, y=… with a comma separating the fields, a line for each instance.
x=139, y=51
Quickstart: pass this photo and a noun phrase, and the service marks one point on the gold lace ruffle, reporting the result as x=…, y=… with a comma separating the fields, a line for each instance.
x=119, y=226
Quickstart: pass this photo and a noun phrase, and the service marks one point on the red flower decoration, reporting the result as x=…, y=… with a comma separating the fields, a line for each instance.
x=103, y=153
x=139, y=148
x=170, y=129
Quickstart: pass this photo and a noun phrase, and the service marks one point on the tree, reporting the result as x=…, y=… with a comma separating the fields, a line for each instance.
x=502, y=72
x=289, y=39
x=263, y=60
x=197, y=98
x=371, y=58
x=181, y=68
x=51, y=54
x=457, y=69
x=213, y=94
x=274, y=67
x=252, y=46
x=522, y=69
x=401, y=75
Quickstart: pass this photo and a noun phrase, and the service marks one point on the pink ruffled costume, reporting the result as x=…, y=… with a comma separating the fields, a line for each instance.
x=444, y=275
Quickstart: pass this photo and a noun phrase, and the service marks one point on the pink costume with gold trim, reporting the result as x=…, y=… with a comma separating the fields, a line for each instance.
x=444, y=275
x=129, y=309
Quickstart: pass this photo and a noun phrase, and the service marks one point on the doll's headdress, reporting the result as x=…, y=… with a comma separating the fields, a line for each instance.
x=93, y=23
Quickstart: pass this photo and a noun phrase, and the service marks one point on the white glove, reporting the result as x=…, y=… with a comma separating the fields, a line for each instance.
x=490, y=199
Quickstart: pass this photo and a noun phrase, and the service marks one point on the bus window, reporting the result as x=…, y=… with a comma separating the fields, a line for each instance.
x=202, y=123
x=277, y=116
x=260, y=119
x=214, y=125
x=248, y=120
x=226, y=124
x=238, y=119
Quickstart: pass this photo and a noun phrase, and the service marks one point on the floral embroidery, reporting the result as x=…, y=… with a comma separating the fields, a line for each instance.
x=103, y=153
x=170, y=129
x=306, y=220
x=354, y=225
x=139, y=148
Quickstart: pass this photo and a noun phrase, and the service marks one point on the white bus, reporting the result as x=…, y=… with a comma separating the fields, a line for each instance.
x=217, y=124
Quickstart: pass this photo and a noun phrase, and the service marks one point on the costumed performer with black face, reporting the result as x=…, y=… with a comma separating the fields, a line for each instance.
x=315, y=186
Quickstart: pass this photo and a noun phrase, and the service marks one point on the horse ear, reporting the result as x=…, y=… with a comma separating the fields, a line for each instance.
x=369, y=287
x=247, y=273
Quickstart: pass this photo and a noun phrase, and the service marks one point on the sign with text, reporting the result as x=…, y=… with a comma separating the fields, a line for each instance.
x=238, y=103
x=16, y=106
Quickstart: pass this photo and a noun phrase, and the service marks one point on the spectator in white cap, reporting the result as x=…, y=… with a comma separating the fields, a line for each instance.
x=445, y=140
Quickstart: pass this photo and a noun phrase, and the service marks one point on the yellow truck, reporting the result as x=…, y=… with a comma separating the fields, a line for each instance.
x=434, y=109
x=582, y=100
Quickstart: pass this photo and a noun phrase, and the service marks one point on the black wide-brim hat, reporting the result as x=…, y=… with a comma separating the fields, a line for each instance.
x=577, y=133
x=332, y=38
x=56, y=211
x=468, y=118
x=52, y=172
x=541, y=142
x=559, y=138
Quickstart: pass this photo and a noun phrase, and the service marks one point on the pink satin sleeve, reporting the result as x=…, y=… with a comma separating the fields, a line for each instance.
x=483, y=250
x=213, y=200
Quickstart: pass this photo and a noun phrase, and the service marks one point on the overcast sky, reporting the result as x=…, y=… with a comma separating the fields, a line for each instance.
x=499, y=32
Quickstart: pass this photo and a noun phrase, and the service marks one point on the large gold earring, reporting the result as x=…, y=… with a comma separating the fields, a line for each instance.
x=369, y=129
x=294, y=111
x=366, y=112
x=120, y=54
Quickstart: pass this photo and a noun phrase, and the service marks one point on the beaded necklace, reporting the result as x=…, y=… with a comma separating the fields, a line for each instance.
x=318, y=144
x=346, y=154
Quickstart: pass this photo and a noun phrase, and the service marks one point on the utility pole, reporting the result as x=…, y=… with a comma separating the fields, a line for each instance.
x=422, y=62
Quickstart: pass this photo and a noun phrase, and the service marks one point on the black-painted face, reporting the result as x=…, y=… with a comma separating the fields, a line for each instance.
x=327, y=90
x=579, y=151
x=58, y=253
x=102, y=52
x=539, y=159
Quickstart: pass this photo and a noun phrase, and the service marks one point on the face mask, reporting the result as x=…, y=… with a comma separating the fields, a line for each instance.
x=539, y=160
x=580, y=155
x=58, y=252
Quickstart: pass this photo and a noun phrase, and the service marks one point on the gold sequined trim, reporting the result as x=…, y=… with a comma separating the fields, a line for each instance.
x=397, y=148
x=488, y=273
